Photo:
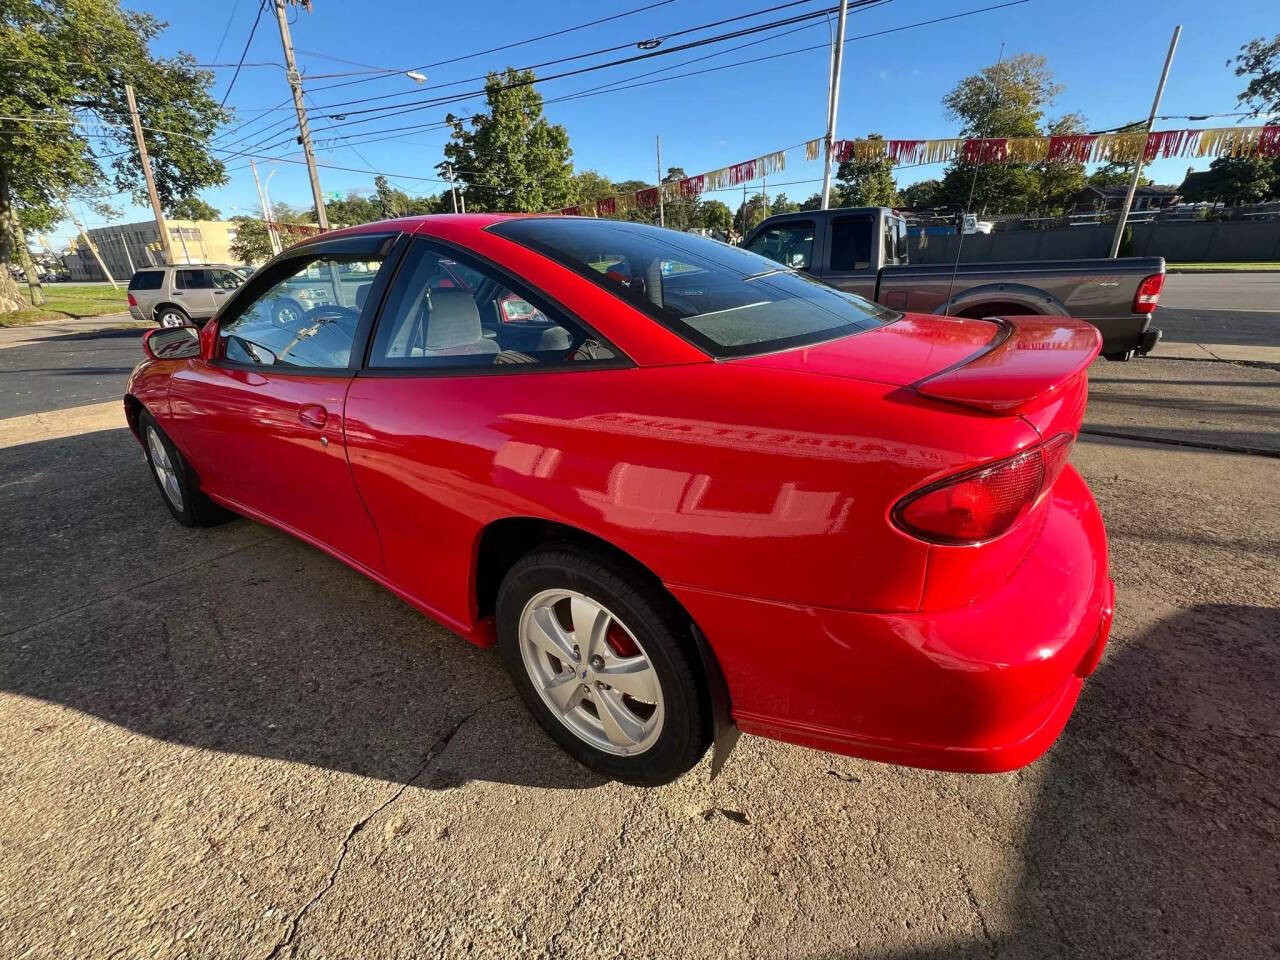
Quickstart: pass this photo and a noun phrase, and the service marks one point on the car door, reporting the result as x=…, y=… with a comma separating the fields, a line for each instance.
x=433, y=415
x=262, y=416
x=851, y=258
x=193, y=288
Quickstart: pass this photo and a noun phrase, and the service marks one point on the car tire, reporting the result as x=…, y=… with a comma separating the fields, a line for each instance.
x=172, y=317
x=640, y=637
x=176, y=480
x=1120, y=355
x=287, y=312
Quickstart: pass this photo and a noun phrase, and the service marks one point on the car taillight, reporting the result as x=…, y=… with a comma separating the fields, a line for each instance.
x=983, y=503
x=1148, y=295
x=132, y=302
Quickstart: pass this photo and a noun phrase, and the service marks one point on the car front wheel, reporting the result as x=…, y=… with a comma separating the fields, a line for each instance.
x=176, y=479
x=604, y=661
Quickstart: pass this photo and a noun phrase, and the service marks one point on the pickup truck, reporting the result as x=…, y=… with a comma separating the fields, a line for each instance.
x=864, y=250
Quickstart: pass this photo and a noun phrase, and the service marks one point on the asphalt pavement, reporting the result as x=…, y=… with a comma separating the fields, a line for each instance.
x=1239, y=309
x=223, y=743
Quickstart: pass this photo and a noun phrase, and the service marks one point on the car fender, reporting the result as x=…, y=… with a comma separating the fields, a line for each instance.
x=1024, y=295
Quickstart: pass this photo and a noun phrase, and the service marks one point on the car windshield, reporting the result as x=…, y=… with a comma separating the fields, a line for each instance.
x=728, y=301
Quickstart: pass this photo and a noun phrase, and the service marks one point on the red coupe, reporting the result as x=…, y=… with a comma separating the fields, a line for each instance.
x=685, y=490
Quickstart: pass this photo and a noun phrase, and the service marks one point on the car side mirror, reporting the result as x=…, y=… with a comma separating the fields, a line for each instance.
x=171, y=343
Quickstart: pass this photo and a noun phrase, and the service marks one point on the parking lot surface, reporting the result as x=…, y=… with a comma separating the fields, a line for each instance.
x=222, y=743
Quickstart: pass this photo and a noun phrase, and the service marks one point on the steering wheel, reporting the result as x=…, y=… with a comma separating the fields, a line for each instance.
x=331, y=313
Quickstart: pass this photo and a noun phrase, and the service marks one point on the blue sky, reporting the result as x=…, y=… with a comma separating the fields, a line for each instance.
x=1106, y=53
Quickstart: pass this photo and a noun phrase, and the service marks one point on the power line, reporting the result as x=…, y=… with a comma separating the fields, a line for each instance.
x=227, y=29
x=252, y=30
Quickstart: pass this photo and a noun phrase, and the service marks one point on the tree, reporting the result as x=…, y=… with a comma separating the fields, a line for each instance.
x=679, y=213
x=68, y=62
x=1259, y=59
x=749, y=214
x=866, y=183
x=1008, y=99
x=253, y=242
x=192, y=208
x=511, y=158
x=391, y=202
x=923, y=193
x=780, y=204
x=813, y=203
x=590, y=186
x=715, y=215
x=1234, y=180
x=354, y=209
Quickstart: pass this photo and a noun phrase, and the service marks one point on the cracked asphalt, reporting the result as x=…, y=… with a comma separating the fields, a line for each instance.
x=223, y=744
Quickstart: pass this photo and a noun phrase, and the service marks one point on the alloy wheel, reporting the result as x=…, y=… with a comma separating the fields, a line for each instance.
x=591, y=672
x=164, y=468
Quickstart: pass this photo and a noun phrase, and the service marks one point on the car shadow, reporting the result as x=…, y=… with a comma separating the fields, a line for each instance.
x=1154, y=831
x=237, y=638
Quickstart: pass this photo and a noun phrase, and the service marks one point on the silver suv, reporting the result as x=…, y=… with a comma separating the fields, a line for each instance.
x=175, y=296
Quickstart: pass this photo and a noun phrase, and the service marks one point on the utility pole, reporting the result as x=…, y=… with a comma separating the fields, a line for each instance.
x=1137, y=163
x=128, y=259
x=453, y=189
x=462, y=197
x=833, y=101
x=764, y=192
x=90, y=244
x=266, y=211
x=146, y=172
x=304, y=131
x=662, y=219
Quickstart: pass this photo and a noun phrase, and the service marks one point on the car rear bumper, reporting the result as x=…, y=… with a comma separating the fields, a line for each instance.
x=982, y=688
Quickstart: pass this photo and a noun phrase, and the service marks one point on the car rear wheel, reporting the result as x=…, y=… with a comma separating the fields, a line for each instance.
x=604, y=663
x=175, y=478
x=172, y=317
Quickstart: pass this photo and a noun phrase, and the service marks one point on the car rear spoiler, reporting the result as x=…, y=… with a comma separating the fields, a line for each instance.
x=1030, y=358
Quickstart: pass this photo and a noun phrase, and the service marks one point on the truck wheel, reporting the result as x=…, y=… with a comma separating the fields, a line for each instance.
x=1120, y=355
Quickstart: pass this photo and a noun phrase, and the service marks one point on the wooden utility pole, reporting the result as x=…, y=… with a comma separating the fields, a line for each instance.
x=146, y=172
x=90, y=244
x=1137, y=163
x=304, y=131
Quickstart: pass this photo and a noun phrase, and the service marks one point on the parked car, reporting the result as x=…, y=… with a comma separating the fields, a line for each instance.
x=864, y=251
x=703, y=494
x=178, y=295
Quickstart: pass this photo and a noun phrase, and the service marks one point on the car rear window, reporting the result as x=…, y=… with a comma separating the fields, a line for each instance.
x=146, y=280
x=725, y=300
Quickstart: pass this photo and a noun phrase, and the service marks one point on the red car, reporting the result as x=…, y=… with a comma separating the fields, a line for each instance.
x=685, y=490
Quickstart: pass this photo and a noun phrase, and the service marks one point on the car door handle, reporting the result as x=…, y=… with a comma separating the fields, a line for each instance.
x=313, y=415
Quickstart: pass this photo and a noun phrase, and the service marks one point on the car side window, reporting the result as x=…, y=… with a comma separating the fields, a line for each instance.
x=443, y=312
x=193, y=280
x=225, y=279
x=850, y=243
x=307, y=317
x=789, y=243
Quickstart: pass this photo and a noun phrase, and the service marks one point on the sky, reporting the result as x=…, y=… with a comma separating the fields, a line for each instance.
x=1107, y=55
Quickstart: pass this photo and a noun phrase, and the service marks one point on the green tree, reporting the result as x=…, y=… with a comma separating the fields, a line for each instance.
x=353, y=209
x=511, y=158
x=813, y=203
x=749, y=214
x=389, y=202
x=1007, y=99
x=590, y=186
x=715, y=215
x=780, y=204
x=866, y=183
x=67, y=62
x=680, y=213
x=923, y=193
x=192, y=208
x=1259, y=59
x=253, y=243
x=1234, y=180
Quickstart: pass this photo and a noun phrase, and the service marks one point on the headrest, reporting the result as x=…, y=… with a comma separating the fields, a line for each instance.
x=453, y=321
x=362, y=294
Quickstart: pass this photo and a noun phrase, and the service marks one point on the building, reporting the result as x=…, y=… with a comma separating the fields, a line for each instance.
x=1094, y=199
x=129, y=246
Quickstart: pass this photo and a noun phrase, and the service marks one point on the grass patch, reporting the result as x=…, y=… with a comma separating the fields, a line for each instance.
x=69, y=300
x=1228, y=266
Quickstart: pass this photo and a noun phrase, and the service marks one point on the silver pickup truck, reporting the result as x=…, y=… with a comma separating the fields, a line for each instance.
x=864, y=250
